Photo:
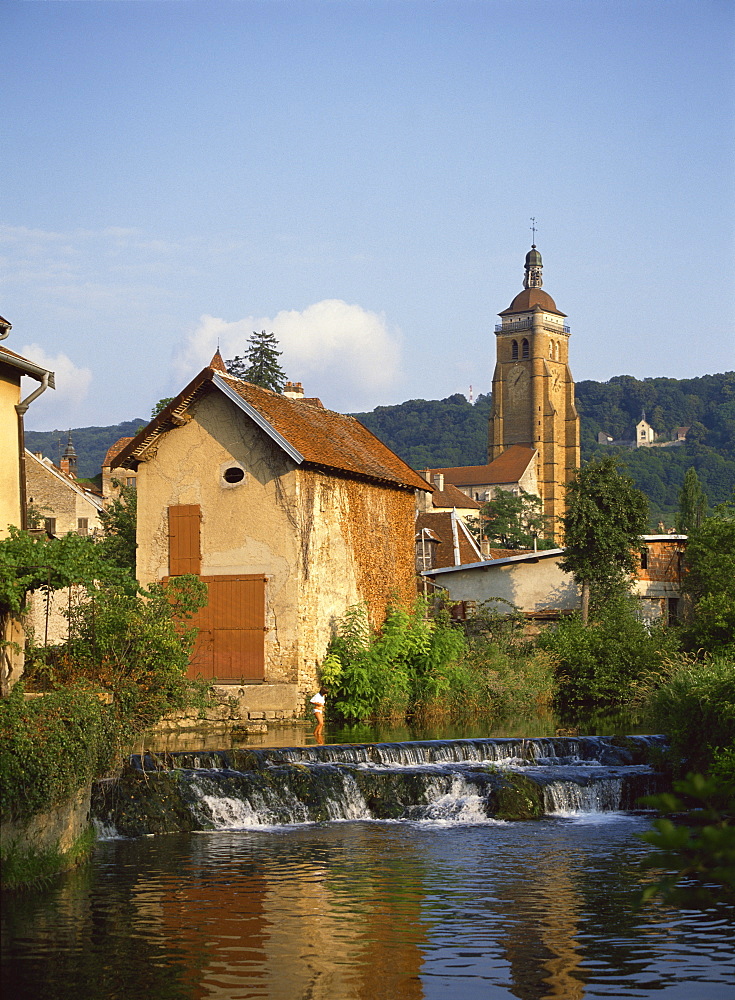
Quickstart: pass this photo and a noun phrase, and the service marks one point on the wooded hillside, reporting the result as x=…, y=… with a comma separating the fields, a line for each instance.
x=449, y=432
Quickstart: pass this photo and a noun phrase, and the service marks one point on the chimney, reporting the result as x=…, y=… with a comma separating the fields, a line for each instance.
x=438, y=478
x=294, y=390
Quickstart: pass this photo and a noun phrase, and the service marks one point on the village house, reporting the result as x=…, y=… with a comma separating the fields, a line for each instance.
x=289, y=512
x=536, y=584
x=513, y=470
x=443, y=537
x=61, y=504
x=13, y=408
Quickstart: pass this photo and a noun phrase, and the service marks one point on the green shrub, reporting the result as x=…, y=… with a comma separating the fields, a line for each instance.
x=608, y=661
x=695, y=707
x=51, y=746
x=426, y=667
x=694, y=843
x=394, y=671
x=135, y=645
x=504, y=684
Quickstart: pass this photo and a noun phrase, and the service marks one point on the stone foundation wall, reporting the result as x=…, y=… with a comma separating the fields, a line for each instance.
x=57, y=829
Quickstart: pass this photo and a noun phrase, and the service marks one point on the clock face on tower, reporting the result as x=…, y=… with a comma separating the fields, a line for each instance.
x=518, y=380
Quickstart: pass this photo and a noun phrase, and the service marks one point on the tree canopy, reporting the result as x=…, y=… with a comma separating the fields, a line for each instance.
x=692, y=503
x=710, y=580
x=605, y=517
x=260, y=364
x=513, y=520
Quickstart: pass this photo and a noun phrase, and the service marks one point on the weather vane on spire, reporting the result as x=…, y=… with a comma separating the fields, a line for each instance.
x=533, y=230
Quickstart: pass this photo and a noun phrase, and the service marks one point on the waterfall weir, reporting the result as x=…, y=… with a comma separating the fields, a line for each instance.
x=458, y=781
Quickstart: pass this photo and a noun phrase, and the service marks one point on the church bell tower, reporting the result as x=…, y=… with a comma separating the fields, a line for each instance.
x=533, y=389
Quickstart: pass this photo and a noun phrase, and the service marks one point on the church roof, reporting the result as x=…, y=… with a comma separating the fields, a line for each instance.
x=307, y=432
x=532, y=298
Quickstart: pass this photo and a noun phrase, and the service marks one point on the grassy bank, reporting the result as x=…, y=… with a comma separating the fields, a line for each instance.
x=32, y=867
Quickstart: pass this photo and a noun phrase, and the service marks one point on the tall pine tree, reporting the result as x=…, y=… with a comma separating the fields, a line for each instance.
x=259, y=364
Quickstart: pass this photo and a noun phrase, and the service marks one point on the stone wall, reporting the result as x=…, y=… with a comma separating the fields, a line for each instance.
x=57, y=829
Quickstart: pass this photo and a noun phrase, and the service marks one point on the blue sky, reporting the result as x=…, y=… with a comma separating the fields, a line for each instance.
x=359, y=177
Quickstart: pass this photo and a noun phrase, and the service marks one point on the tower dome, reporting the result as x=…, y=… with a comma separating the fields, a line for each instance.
x=533, y=257
x=533, y=267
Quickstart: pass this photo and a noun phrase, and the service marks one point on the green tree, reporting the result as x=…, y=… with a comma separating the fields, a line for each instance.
x=29, y=563
x=513, y=520
x=710, y=581
x=161, y=405
x=119, y=526
x=605, y=517
x=692, y=503
x=260, y=363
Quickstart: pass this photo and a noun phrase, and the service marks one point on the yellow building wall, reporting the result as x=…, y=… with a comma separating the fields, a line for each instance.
x=10, y=512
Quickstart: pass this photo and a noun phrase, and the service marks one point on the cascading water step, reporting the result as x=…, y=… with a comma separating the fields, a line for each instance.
x=460, y=781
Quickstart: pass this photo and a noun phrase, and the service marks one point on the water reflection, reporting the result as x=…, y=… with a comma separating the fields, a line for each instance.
x=299, y=732
x=363, y=911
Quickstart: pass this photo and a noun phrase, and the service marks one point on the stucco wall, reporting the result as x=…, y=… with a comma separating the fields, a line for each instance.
x=245, y=528
x=359, y=548
x=531, y=586
x=9, y=462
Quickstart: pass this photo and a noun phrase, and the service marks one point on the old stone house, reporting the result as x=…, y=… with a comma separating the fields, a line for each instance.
x=658, y=577
x=513, y=469
x=289, y=512
x=113, y=478
x=63, y=504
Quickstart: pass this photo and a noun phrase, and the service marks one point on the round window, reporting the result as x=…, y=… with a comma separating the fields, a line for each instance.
x=233, y=474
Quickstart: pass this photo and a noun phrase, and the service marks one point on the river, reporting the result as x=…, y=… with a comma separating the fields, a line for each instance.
x=445, y=902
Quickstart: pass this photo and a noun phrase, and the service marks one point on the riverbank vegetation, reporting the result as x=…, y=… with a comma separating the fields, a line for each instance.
x=80, y=703
x=122, y=668
x=423, y=666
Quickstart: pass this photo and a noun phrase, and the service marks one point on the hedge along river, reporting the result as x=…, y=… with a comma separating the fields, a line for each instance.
x=371, y=872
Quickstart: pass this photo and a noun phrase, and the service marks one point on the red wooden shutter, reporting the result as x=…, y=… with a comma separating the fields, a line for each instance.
x=184, y=553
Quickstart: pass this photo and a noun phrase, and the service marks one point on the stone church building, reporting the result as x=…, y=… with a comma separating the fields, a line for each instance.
x=533, y=390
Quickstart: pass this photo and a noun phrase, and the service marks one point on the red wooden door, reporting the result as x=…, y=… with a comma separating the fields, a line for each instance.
x=231, y=640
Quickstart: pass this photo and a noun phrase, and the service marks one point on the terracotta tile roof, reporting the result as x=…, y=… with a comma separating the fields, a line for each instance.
x=333, y=440
x=450, y=496
x=506, y=468
x=324, y=438
x=217, y=364
x=440, y=523
x=114, y=450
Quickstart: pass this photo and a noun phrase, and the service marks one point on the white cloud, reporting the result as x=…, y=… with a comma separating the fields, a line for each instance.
x=60, y=405
x=342, y=352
